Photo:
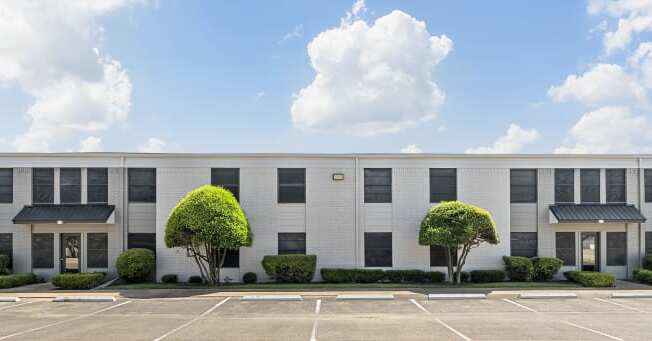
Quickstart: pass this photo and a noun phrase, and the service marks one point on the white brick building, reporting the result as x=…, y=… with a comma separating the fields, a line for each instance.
x=98, y=204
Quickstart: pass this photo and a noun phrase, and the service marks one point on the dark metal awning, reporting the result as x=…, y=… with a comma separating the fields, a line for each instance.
x=65, y=214
x=595, y=213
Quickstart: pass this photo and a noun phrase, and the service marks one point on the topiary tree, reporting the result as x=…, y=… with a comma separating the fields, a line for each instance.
x=207, y=222
x=458, y=227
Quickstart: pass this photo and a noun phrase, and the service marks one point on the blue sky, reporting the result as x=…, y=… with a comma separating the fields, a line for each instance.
x=222, y=76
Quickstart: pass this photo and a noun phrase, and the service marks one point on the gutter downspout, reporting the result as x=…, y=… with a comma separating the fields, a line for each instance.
x=640, y=207
x=356, y=237
x=123, y=216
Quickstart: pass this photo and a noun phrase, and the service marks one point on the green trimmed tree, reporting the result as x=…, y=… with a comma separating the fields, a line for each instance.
x=459, y=227
x=207, y=222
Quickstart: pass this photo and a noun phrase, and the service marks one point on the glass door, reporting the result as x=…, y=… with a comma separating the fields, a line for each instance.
x=70, y=252
x=590, y=251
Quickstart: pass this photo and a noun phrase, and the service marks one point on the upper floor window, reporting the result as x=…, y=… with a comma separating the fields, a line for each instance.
x=70, y=185
x=565, y=185
x=648, y=184
x=377, y=185
x=523, y=185
x=228, y=178
x=589, y=185
x=616, y=185
x=291, y=185
x=6, y=186
x=443, y=184
x=97, y=185
x=142, y=184
x=43, y=185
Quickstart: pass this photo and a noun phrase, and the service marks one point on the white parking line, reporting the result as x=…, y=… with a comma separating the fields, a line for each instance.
x=193, y=320
x=620, y=305
x=313, y=334
x=15, y=305
x=519, y=305
x=63, y=321
x=457, y=332
x=592, y=330
x=419, y=306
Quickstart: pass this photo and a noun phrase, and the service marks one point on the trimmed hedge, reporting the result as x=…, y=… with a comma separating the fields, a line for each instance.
x=290, y=268
x=332, y=275
x=519, y=269
x=4, y=264
x=410, y=276
x=16, y=280
x=643, y=275
x=647, y=262
x=170, y=278
x=79, y=281
x=249, y=278
x=545, y=268
x=591, y=279
x=136, y=265
x=195, y=280
x=487, y=276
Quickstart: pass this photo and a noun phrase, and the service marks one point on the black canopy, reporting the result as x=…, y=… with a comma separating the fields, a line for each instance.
x=595, y=213
x=64, y=214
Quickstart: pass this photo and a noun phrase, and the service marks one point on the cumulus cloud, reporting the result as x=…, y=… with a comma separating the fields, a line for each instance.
x=90, y=144
x=153, y=145
x=633, y=16
x=603, y=84
x=372, y=79
x=411, y=149
x=50, y=51
x=513, y=141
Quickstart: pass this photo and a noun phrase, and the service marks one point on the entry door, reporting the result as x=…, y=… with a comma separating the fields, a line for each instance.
x=70, y=252
x=590, y=251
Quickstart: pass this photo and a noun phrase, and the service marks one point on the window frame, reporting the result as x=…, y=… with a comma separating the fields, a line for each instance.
x=513, y=197
x=48, y=263
x=291, y=237
x=232, y=259
x=234, y=188
x=7, y=189
x=647, y=185
x=620, y=250
x=72, y=189
x=444, y=194
x=530, y=252
x=90, y=250
x=622, y=186
x=137, y=240
x=37, y=186
x=571, y=251
x=438, y=253
x=284, y=189
x=368, y=193
x=368, y=251
x=571, y=185
x=132, y=186
x=583, y=172
x=101, y=188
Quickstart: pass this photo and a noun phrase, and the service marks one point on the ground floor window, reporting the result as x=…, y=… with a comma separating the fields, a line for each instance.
x=142, y=241
x=438, y=256
x=97, y=250
x=232, y=259
x=524, y=244
x=7, y=246
x=616, y=248
x=648, y=242
x=43, y=250
x=291, y=243
x=565, y=245
x=378, y=249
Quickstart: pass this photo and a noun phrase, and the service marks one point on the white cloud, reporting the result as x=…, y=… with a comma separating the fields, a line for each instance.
x=513, y=141
x=608, y=130
x=372, y=79
x=357, y=9
x=153, y=145
x=633, y=16
x=50, y=50
x=411, y=149
x=603, y=84
x=295, y=33
x=90, y=144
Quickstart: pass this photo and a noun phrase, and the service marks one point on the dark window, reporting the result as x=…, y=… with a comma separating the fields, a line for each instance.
x=6, y=186
x=142, y=241
x=97, y=250
x=70, y=185
x=564, y=185
x=97, y=185
x=378, y=249
x=590, y=185
x=615, y=179
x=565, y=244
x=291, y=185
x=524, y=244
x=616, y=248
x=43, y=185
x=232, y=259
x=438, y=256
x=228, y=178
x=7, y=246
x=378, y=185
x=648, y=185
x=443, y=184
x=142, y=184
x=523, y=185
x=43, y=250
x=291, y=243
x=648, y=243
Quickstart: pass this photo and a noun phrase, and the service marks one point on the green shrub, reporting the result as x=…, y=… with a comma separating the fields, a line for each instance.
x=249, y=278
x=591, y=279
x=519, y=269
x=435, y=276
x=170, y=278
x=16, y=280
x=407, y=276
x=79, y=281
x=4, y=264
x=290, y=268
x=647, y=262
x=352, y=275
x=643, y=275
x=195, y=280
x=487, y=276
x=545, y=268
x=136, y=265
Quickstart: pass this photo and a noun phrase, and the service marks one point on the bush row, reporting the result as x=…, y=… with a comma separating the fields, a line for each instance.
x=4, y=264
x=643, y=275
x=332, y=275
x=647, y=262
x=523, y=269
x=487, y=276
x=591, y=279
x=79, y=281
x=16, y=280
x=290, y=268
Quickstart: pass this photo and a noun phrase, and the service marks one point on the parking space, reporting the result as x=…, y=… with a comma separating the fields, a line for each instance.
x=325, y=318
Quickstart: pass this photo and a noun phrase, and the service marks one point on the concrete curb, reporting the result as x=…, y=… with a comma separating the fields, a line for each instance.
x=272, y=298
x=363, y=297
x=457, y=297
x=84, y=299
x=631, y=295
x=9, y=299
x=547, y=295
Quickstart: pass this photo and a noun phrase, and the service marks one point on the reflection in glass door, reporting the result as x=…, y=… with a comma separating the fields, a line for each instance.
x=70, y=255
x=590, y=251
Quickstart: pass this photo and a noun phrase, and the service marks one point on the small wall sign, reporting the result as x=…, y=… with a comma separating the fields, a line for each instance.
x=338, y=176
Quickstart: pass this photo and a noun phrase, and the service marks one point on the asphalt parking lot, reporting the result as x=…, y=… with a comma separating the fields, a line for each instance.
x=325, y=318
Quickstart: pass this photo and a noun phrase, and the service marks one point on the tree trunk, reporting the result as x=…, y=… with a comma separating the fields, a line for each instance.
x=449, y=261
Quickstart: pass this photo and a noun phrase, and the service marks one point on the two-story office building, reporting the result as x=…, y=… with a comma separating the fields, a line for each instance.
x=77, y=212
